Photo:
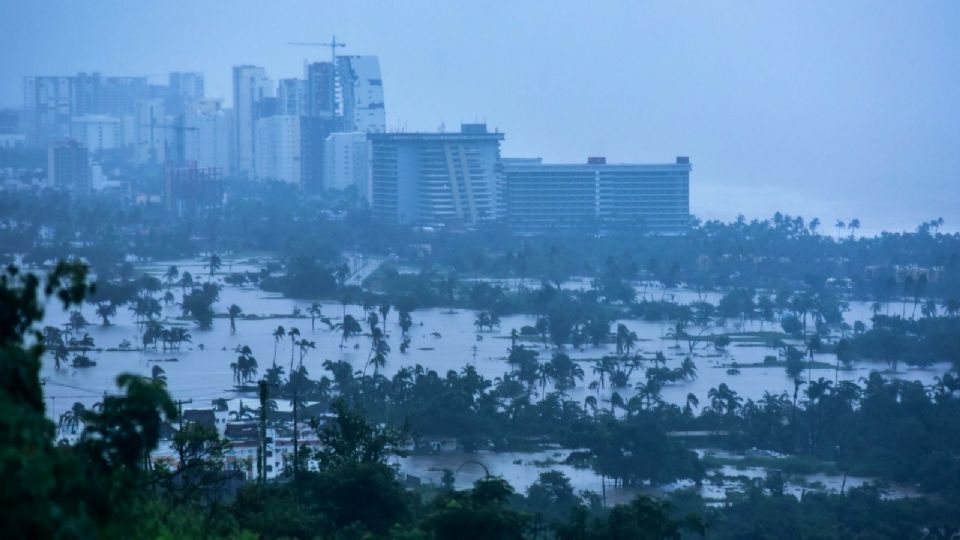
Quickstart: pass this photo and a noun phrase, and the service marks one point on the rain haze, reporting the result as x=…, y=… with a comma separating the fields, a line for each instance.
x=834, y=110
x=474, y=270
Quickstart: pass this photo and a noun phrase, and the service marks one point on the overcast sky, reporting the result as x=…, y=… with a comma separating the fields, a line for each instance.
x=836, y=109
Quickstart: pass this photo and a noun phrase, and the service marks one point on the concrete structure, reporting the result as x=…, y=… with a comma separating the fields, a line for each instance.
x=68, y=166
x=361, y=94
x=278, y=149
x=97, y=132
x=186, y=189
x=347, y=162
x=436, y=178
x=250, y=85
x=597, y=196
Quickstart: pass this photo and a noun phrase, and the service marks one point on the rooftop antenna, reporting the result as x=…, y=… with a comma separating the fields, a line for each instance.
x=333, y=44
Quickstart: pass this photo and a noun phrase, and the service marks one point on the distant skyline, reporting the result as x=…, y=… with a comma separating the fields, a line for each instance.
x=820, y=108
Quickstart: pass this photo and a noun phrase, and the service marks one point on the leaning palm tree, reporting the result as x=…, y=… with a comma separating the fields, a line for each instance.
x=315, y=311
x=293, y=333
x=158, y=376
x=233, y=312
x=278, y=334
x=305, y=346
x=349, y=327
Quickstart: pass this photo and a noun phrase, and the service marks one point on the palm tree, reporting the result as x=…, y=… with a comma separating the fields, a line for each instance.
x=171, y=275
x=853, y=226
x=70, y=420
x=305, y=346
x=214, y=263
x=186, y=281
x=840, y=225
x=349, y=327
x=691, y=403
x=724, y=400
x=293, y=333
x=245, y=368
x=687, y=369
x=405, y=322
x=315, y=311
x=105, y=310
x=384, y=310
x=626, y=340
x=233, y=312
x=60, y=354
x=278, y=334
x=158, y=376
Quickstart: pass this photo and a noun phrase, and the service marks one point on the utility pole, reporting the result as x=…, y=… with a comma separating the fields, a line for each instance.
x=262, y=431
x=180, y=403
x=296, y=436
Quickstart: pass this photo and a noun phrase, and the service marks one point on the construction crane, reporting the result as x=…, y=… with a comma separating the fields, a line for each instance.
x=333, y=44
x=179, y=128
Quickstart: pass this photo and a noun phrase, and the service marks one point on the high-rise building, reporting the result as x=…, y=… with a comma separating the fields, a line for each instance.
x=95, y=94
x=597, y=196
x=278, y=149
x=208, y=134
x=321, y=91
x=361, y=94
x=436, y=178
x=314, y=131
x=153, y=132
x=292, y=97
x=46, y=108
x=250, y=85
x=51, y=102
x=186, y=85
x=347, y=162
x=97, y=132
x=183, y=88
x=68, y=165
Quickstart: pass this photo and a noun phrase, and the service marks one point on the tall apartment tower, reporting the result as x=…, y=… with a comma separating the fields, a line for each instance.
x=209, y=134
x=436, y=178
x=187, y=85
x=250, y=85
x=68, y=166
x=46, y=108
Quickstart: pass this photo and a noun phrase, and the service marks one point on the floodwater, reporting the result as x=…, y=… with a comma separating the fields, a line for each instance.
x=521, y=469
x=441, y=339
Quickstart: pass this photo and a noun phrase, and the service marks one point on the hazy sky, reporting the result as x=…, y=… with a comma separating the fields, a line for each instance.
x=837, y=109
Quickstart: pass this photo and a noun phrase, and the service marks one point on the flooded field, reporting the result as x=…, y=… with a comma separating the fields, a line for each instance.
x=441, y=339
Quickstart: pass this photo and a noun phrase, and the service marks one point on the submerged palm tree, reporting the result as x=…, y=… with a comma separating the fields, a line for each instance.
x=349, y=327
x=233, y=312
